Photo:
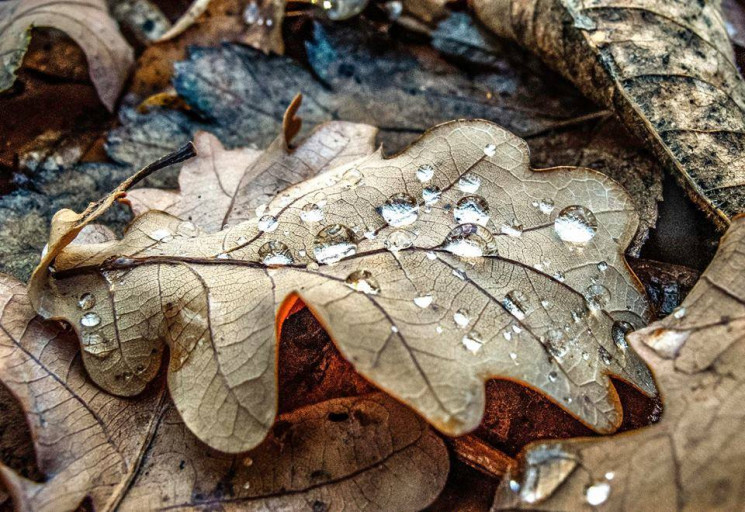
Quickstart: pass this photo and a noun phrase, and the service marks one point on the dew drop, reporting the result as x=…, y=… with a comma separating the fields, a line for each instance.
x=602, y=266
x=394, y=329
x=425, y=173
x=260, y=210
x=546, y=206
x=363, y=281
x=223, y=256
x=431, y=255
x=423, y=301
x=552, y=376
x=490, y=150
x=161, y=234
x=597, y=493
x=597, y=296
x=268, y=223
x=472, y=342
x=311, y=212
x=251, y=13
x=459, y=273
x=513, y=356
x=513, y=229
x=605, y=356
x=333, y=243
x=618, y=333
x=461, y=318
x=86, y=301
x=398, y=240
x=95, y=345
x=470, y=241
x=343, y=9
x=90, y=320
x=431, y=194
x=576, y=225
x=275, y=253
x=241, y=240
x=351, y=178
x=400, y=210
x=679, y=312
x=248, y=462
x=469, y=183
x=515, y=303
x=247, y=485
x=438, y=329
x=472, y=210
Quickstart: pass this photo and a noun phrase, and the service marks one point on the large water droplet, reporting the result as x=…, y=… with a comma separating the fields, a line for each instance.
x=398, y=240
x=472, y=342
x=363, y=281
x=515, y=302
x=423, y=301
x=471, y=209
x=469, y=183
x=597, y=296
x=90, y=320
x=576, y=225
x=311, y=212
x=470, y=241
x=618, y=333
x=86, y=301
x=425, y=173
x=431, y=194
x=461, y=317
x=268, y=223
x=95, y=345
x=546, y=468
x=275, y=253
x=333, y=243
x=400, y=210
x=597, y=493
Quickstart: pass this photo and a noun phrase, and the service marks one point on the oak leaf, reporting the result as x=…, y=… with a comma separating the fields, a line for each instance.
x=694, y=458
x=137, y=454
x=665, y=66
x=87, y=22
x=434, y=270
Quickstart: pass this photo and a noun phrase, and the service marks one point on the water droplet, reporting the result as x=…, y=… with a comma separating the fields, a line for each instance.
x=394, y=329
x=247, y=485
x=425, y=173
x=398, y=240
x=311, y=212
x=597, y=493
x=507, y=335
x=90, y=320
x=161, y=234
x=431, y=194
x=275, y=253
x=343, y=9
x=576, y=225
x=490, y=150
x=618, y=333
x=546, y=206
x=363, y=281
x=470, y=241
x=514, y=229
x=251, y=13
x=597, y=296
x=431, y=255
x=515, y=302
x=610, y=475
x=333, y=243
x=513, y=356
x=559, y=276
x=679, y=312
x=472, y=342
x=268, y=223
x=400, y=210
x=86, y=301
x=95, y=345
x=602, y=266
x=459, y=273
x=605, y=355
x=472, y=210
x=241, y=240
x=351, y=178
x=461, y=317
x=552, y=376
x=438, y=329
x=546, y=468
x=260, y=210
x=556, y=343
x=469, y=183
x=248, y=462
x=223, y=256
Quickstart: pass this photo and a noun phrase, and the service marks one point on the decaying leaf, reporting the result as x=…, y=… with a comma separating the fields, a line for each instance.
x=223, y=187
x=665, y=66
x=694, y=459
x=87, y=22
x=434, y=270
x=137, y=454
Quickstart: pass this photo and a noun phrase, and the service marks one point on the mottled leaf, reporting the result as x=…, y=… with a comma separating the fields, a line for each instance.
x=87, y=22
x=433, y=270
x=694, y=458
x=665, y=66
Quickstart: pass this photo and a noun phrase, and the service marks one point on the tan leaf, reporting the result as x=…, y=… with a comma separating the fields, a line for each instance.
x=137, y=454
x=87, y=22
x=694, y=458
x=223, y=187
x=665, y=66
x=434, y=270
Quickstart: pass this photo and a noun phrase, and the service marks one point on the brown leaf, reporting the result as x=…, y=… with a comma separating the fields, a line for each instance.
x=666, y=67
x=547, y=307
x=694, y=458
x=222, y=187
x=87, y=22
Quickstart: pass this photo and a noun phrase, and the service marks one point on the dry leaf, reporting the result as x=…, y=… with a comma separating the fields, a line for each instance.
x=428, y=320
x=694, y=459
x=222, y=187
x=86, y=21
x=666, y=67
x=137, y=455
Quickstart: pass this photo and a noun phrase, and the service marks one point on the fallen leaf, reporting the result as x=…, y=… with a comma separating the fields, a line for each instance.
x=666, y=68
x=87, y=22
x=549, y=297
x=137, y=454
x=221, y=188
x=694, y=458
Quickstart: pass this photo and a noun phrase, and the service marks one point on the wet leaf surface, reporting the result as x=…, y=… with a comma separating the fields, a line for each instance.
x=691, y=460
x=666, y=67
x=442, y=220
